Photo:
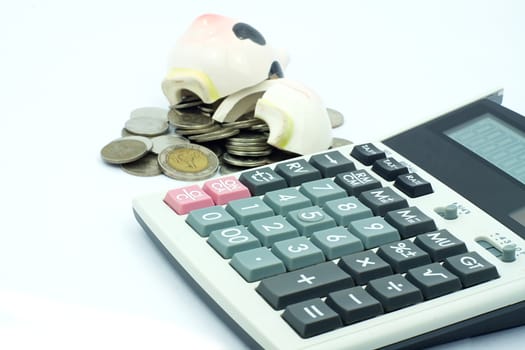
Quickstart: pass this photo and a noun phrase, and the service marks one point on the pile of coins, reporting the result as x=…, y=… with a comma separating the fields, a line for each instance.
x=185, y=143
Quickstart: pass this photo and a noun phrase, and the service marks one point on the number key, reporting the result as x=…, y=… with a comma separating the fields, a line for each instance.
x=336, y=242
x=228, y=241
x=373, y=231
x=297, y=253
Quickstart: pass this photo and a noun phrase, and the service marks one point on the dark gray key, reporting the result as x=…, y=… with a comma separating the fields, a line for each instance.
x=311, y=317
x=357, y=181
x=331, y=163
x=403, y=255
x=262, y=180
x=299, y=285
x=297, y=171
x=440, y=244
x=433, y=280
x=471, y=268
x=354, y=304
x=413, y=185
x=367, y=153
x=389, y=168
x=394, y=292
x=410, y=221
x=382, y=200
x=364, y=266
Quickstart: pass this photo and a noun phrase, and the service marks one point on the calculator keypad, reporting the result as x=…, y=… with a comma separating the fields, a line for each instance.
x=330, y=244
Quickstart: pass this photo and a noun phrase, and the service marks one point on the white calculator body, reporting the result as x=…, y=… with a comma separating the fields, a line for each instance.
x=407, y=242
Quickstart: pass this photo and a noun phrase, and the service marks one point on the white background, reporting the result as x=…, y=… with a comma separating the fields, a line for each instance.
x=76, y=270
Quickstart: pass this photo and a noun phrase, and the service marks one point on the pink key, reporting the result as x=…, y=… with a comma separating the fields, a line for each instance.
x=225, y=189
x=186, y=199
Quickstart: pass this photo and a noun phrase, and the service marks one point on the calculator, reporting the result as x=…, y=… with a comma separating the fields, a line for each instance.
x=405, y=242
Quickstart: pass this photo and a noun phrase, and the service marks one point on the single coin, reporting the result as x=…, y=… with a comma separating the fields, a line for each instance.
x=125, y=132
x=146, y=126
x=259, y=127
x=250, y=153
x=249, y=137
x=214, y=135
x=336, y=118
x=338, y=142
x=163, y=141
x=183, y=120
x=145, y=166
x=126, y=149
x=188, y=162
x=188, y=132
x=244, y=162
x=216, y=147
x=242, y=124
x=188, y=103
x=248, y=148
x=150, y=112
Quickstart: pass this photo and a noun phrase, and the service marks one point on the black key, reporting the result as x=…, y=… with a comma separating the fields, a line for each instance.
x=331, y=163
x=367, y=153
x=311, y=317
x=440, y=244
x=364, y=266
x=410, y=221
x=389, y=168
x=433, y=280
x=403, y=255
x=299, y=285
x=471, y=268
x=382, y=200
x=298, y=171
x=394, y=292
x=262, y=180
x=357, y=181
x=354, y=304
x=413, y=185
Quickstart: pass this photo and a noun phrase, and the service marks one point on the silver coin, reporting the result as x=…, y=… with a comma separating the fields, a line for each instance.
x=163, y=141
x=125, y=132
x=214, y=135
x=244, y=162
x=246, y=144
x=242, y=124
x=145, y=166
x=336, y=118
x=150, y=112
x=146, y=126
x=338, y=142
x=188, y=132
x=188, y=103
x=189, y=120
x=126, y=149
x=260, y=127
x=249, y=148
x=280, y=155
x=188, y=162
x=250, y=153
x=249, y=137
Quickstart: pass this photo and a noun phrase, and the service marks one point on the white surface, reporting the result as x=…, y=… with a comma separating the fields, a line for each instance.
x=76, y=270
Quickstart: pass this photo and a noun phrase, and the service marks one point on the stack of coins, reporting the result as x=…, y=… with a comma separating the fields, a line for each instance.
x=185, y=143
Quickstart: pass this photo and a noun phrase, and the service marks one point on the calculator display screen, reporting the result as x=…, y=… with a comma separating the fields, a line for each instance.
x=478, y=150
x=495, y=141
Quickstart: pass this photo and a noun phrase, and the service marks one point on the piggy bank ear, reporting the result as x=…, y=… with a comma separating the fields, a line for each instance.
x=218, y=56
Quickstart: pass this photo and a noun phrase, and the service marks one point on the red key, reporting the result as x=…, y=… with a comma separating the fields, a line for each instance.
x=186, y=199
x=225, y=189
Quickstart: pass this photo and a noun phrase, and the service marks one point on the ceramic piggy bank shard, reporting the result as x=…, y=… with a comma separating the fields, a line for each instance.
x=218, y=56
x=296, y=116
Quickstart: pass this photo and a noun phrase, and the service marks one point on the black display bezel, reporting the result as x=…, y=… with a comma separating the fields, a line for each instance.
x=476, y=179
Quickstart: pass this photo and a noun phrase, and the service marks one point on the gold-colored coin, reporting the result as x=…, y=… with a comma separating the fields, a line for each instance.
x=188, y=160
